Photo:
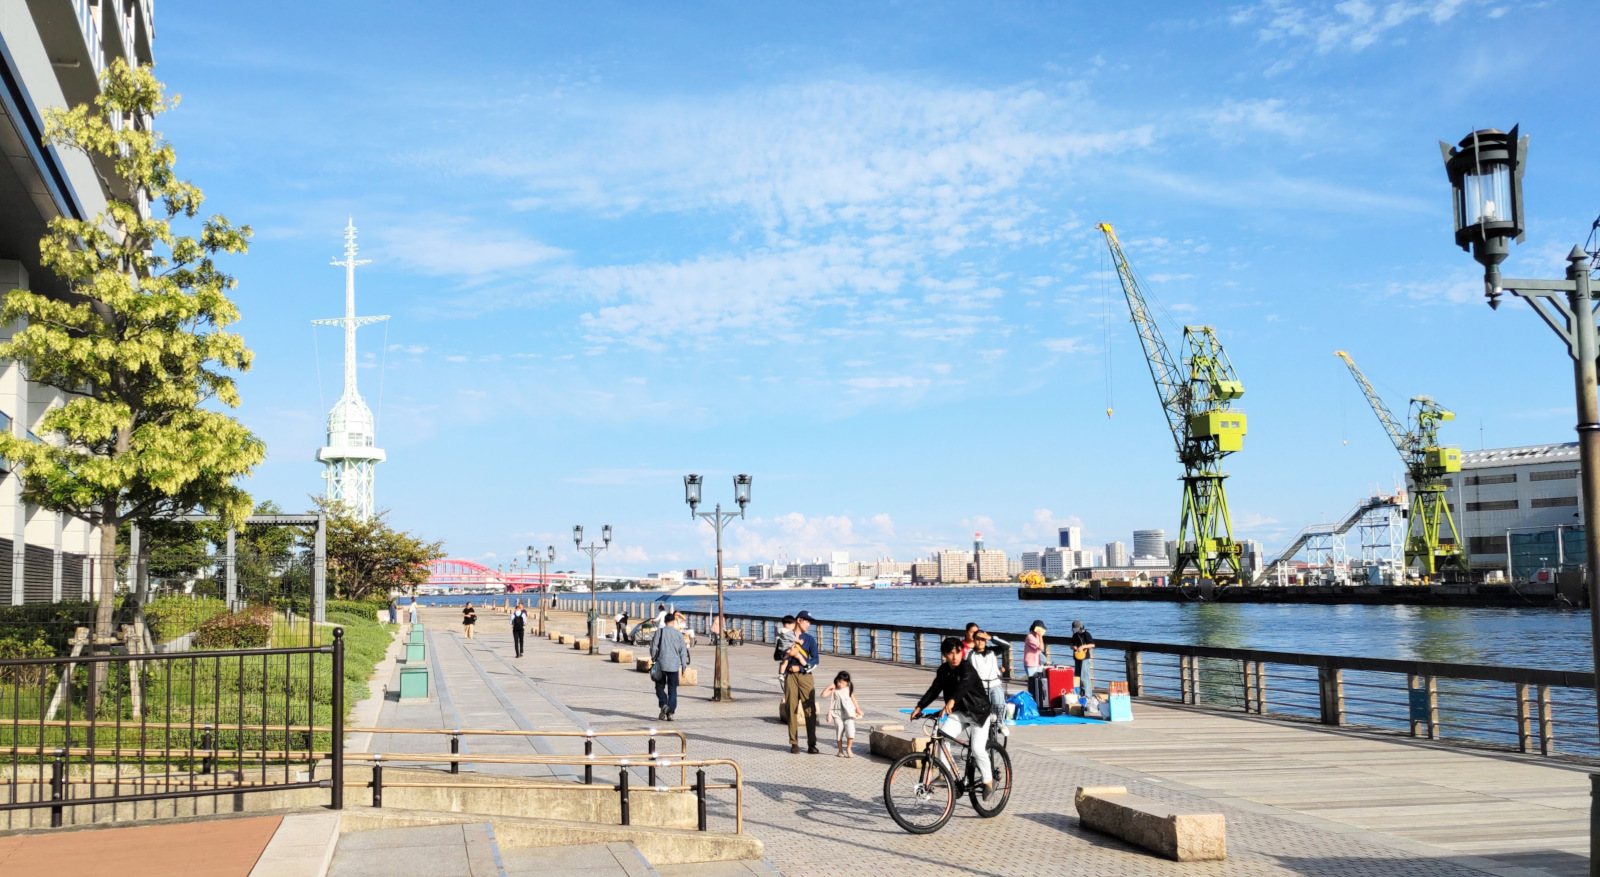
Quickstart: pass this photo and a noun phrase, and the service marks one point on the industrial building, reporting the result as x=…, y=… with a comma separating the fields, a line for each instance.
x=54, y=52
x=1524, y=499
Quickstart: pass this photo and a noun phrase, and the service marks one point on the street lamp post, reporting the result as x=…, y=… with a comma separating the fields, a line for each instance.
x=543, y=559
x=1485, y=172
x=592, y=549
x=722, y=689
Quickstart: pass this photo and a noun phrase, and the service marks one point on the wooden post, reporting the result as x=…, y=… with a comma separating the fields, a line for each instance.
x=872, y=642
x=1524, y=719
x=917, y=647
x=1547, y=723
x=1411, y=686
x=1330, y=684
x=1246, y=672
x=80, y=641
x=1433, y=706
x=1133, y=666
x=1183, y=678
x=1194, y=680
x=1261, y=689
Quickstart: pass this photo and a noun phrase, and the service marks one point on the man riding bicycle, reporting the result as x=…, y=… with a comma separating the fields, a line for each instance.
x=966, y=704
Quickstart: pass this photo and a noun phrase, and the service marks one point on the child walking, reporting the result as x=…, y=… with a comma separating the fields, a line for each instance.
x=843, y=712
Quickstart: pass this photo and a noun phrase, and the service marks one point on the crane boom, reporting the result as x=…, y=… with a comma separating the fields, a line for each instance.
x=1403, y=441
x=1170, y=384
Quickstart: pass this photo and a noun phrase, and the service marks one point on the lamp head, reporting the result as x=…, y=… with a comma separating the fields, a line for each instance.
x=605, y=534
x=552, y=557
x=691, y=491
x=741, y=491
x=577, y=535
x=1485, y=172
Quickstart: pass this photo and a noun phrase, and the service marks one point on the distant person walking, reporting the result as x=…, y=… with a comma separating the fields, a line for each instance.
x=469, y=619
x=622, y=627
x=519, y=625
x=394, y=611
x=669, y=654
x=413, y=608
x=799, y=689
x=843, y=710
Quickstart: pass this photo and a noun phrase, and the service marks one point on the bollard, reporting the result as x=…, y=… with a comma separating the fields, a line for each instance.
x=588, y=769
x=622, y=787
x=455, y=749
x=700, y=797
x=377, y=781
x=206, y=745
x=57, y=787
x=652, y=761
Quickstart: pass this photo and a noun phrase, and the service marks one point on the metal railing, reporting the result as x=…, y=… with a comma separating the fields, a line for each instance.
x=588, y=736
x=1523, y=709
x=106, y=730
x=623, y=786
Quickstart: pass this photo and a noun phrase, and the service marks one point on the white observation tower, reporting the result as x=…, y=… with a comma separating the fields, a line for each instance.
x=352, y=452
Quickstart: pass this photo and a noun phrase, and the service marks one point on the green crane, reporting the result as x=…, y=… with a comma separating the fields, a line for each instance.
x=1196, y=391
x=1427, y=463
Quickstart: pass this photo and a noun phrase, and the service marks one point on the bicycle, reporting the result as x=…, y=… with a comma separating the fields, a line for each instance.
x=920, y=788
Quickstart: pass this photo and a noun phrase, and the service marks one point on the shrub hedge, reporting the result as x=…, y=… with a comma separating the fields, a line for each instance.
x=172, y=617
x=250, y=629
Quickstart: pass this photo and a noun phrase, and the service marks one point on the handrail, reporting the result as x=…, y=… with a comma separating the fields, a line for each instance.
x=625, y=763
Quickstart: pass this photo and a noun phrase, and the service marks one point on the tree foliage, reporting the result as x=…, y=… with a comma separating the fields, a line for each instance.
x=140, y=347
x=366, y=558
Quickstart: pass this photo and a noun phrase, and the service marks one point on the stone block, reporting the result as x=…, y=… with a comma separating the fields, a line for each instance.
x=564, y=638
x=642, y=664
x=621, y=656
x=555, y=636
x=893, y=741
x=688, y=676
x=414, y=683
x=581, y=643
x=1159, y=827
x=417, y=634
x=416, y=653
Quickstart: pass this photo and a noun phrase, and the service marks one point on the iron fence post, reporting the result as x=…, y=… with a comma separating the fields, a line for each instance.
x=622, y=789
x=57, y=787
x=455, y=749
x=336, y=746
x=652, y=760
x=700, y=797
x=588, y=769
x=377, y=780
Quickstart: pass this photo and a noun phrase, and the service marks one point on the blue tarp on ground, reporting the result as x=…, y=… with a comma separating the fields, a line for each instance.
x=1050, y=720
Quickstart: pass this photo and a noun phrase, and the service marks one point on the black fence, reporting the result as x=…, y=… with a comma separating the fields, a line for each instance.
x=1523, y=709
x=88, y=733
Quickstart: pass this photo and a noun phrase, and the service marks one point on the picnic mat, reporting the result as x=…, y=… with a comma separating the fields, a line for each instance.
x=1050, y=720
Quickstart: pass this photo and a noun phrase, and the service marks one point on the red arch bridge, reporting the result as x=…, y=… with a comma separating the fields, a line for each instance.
x=468, y=575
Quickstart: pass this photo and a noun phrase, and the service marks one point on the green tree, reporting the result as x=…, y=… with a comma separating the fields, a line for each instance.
x=368, y=557
x=139, y=348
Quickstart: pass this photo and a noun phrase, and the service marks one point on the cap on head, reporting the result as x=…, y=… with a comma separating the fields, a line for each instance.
x=1077, y=627
x=804, y=616
x=1037, y=625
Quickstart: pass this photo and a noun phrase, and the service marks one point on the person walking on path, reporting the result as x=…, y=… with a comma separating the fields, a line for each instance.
x=843, y=710
x=394, y=611
x=622, y=627
x=1033, y=650
x=799, y=689
x=469, y=618
x=413, y=608
x=1082, y=650
x=669, y=654
x=519, y=624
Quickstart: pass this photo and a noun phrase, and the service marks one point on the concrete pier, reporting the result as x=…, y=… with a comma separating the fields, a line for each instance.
x=1299, y=799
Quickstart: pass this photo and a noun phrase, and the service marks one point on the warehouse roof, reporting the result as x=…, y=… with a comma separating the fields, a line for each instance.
x=1562, y=452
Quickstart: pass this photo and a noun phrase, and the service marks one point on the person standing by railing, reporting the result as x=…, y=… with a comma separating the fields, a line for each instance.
x=1082, y=651
x=1033, y=649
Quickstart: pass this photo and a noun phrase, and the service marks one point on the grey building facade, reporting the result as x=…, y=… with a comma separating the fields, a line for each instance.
x=1519, y=506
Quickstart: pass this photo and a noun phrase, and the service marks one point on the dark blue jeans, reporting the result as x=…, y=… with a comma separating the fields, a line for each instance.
x=667, y=691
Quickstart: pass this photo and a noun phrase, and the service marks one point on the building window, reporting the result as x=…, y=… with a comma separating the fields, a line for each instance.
x=1554, y=502
x=1499, y=505
x=1474, y=480
x=1554, y=475
x=1449, y=483
x=1487, y=544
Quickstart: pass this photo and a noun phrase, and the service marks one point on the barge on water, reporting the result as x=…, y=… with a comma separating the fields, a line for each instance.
x=1497, y=595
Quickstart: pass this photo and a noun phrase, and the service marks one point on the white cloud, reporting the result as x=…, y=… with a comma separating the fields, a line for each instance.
x=801, y=538
x=1348, y=24
x=894, y=383
x=452, y=247
x=1068, y=345
x=1235, y=118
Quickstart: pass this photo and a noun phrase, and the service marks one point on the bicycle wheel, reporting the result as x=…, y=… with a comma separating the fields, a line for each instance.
x=989, y=802
x=920, y=793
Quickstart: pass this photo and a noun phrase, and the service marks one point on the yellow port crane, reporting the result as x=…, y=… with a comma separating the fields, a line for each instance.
x=1196, y=390
x=1427, y=464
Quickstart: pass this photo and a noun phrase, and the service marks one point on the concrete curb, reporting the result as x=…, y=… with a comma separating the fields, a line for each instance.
x=302, y=846
x=366, y=712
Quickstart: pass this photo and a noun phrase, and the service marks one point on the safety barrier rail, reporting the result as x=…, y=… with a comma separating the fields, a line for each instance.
x=588, y=736
x=623, y=787
x=1518, y=708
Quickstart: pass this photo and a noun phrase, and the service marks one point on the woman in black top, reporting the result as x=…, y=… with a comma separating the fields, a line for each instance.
x=1082, y=647
x=469, y=617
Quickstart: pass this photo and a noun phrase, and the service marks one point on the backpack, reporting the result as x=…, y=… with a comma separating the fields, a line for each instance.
x=777, y=653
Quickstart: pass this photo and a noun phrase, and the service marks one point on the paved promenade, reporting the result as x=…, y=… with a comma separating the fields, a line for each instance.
x=1299, y=799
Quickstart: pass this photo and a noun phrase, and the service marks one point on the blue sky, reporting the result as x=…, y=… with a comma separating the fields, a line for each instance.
x=849, y=248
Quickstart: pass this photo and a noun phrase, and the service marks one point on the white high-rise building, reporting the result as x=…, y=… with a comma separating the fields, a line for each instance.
x=1069, y=537
x=352, y=452
x=1116, y=555
x=1150, y=543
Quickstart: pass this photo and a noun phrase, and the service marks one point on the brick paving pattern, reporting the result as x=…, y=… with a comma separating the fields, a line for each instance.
x=822, y=815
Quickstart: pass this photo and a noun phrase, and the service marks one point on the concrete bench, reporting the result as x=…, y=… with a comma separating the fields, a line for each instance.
x=581, y=643
x=1158, y=827
x=642, y=664
x=555, y=636
x=621, y=656
x=893, y=741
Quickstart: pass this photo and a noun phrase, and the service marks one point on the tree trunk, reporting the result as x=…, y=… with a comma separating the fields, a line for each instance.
x=106, y=594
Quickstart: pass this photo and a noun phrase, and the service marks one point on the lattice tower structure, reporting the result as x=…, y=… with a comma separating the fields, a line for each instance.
x=352, y=452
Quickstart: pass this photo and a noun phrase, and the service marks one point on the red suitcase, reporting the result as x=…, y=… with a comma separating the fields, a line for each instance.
x=1059, y=680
